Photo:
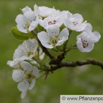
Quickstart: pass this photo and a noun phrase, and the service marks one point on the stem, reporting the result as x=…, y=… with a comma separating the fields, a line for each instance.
x=41, y=76
x=71, y=47
x=41, y=65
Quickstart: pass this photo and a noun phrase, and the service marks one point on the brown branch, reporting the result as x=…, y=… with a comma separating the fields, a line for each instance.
x=45, y=50
x=77, y=63
x=57, y=60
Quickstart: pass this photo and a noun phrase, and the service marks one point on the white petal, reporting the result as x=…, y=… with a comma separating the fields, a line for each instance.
x=30, y=15
x=18, y=75
x=21, y=28
x=59, y=20
x=42, y=56
x=10, y=63
x=36, y=8
x=35, y=72
x=43, y=37
x=26, y=66
x=41, y=53
x=35, y=43
x=68, y=23
x=81, y=26
x=89, y=47
x=33, y=25
x=23, y=94
x=44, y=11
x=53, y=30
x=32, y=84
x=97, y=36
x=23, y=86
x=13, y=64
x=19, y=52
x=20, y=19
x=26, y=9
x=88, y=27
x=60, y=42
x=43, y=23
x=64, y=33
x=68, y=14
x=63, y=36
x=78, y=17
x=50, y=46
x=85, y=36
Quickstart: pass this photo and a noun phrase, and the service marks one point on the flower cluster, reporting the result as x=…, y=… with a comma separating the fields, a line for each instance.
x=25, y=72
x=51, y=28
x=56, y=26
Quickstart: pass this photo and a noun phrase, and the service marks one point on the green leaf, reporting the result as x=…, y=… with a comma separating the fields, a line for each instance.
x=20, y=35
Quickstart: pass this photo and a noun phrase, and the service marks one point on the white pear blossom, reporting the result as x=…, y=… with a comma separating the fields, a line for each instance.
x=55, y=19
x=26, y=75
x=53, y=37
x=86, y=40
x=43, y=11
x=75, y=22
x=51, y=20
x=26, y=22
x=96, y=36
x=26, y=50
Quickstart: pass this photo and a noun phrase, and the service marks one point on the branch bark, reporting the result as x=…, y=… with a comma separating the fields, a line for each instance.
x=45, y=50
x=77, y=63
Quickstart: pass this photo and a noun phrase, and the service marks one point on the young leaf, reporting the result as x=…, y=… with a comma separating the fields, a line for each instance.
x=20, y=35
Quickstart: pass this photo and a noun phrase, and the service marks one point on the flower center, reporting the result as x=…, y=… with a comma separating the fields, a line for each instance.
x=85, y=43
x=53, y=40
x=36, y=54
x=29, y=51
x=29, y=76
x=52, y=22
x=27, y=25
x=74, y=23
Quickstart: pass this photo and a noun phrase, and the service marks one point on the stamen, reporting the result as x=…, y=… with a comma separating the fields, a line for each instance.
x=52, y=22
x=85, y=43
x=53, y=40
x=74, y=23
